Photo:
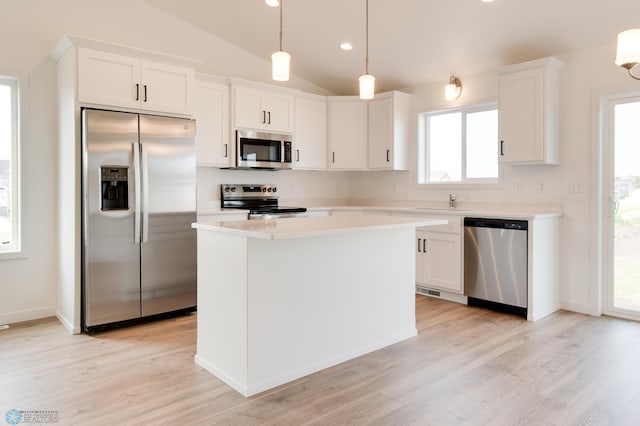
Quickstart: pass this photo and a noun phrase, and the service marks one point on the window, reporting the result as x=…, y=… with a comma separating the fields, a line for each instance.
x=9, y=235
x=459, y=145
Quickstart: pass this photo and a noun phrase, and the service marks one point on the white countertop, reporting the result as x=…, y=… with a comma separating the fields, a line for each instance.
x=497, y=212
x=313, y=226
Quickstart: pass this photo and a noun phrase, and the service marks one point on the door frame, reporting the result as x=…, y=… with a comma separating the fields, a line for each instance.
x=603, y=164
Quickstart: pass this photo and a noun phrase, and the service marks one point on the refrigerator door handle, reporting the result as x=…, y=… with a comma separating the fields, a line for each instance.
x=145, y=194
x=136, y=178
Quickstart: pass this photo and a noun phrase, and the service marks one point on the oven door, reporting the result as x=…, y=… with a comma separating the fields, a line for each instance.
x=262, y=150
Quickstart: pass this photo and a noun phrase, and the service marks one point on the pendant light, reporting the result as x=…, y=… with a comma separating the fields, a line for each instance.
x=367, y=81
x=280, y=59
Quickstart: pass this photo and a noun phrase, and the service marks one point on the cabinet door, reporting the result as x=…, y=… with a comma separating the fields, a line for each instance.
x=166, y=88
x=521, y=117
x=108, y=79
x=441, y=263
x=381, y=134
x=212, y=124
x=248, y=107
x=279, y=109
x=310, y=134
x=348, y=135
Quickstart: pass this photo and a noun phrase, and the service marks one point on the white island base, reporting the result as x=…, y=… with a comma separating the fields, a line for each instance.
x=278, y=300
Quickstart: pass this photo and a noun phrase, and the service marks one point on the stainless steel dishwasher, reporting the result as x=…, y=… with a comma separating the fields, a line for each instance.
x=495, y=264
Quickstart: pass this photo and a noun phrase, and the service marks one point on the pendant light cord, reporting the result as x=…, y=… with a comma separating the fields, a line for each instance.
x=281, y=3
x=366, y=60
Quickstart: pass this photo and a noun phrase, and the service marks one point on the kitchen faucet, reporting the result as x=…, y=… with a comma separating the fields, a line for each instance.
x=452, y=201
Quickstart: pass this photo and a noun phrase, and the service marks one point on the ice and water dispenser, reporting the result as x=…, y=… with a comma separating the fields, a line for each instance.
x=114, y=186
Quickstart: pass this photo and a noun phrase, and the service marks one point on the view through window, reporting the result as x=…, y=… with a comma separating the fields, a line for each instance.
x=8, y=165
x=459, y=146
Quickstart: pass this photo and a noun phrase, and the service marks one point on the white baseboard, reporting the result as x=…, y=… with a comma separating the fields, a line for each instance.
x=67, y=324
x=27, y=315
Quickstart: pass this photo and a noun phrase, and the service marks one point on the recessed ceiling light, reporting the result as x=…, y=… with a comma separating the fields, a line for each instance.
x=487, y=1
x=346, y=46
x=275, y=3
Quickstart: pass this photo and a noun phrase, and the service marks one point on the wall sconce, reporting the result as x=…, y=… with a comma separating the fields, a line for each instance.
x=628, y=52
x=453, y=89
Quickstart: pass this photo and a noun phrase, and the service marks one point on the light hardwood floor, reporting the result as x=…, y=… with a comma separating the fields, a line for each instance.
x=466, y=366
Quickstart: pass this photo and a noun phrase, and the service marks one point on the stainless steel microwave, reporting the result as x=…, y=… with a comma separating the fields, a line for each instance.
x=259, y=150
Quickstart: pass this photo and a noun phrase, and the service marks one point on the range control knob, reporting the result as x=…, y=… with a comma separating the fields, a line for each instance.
x=275, y=189
x=233, y=189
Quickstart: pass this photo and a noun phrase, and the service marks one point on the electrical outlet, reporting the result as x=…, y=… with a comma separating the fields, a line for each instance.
x=539, y=187
x=576, y=187
x=518, y=187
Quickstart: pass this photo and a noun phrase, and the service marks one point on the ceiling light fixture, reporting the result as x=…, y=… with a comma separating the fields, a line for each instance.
x=272, y=3
x=628, y=52
x=367, y=81
x=346, y=46
x=453, y=89
x=280, y=59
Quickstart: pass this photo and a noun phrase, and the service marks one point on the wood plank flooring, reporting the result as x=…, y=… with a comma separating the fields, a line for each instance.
x=466, y=366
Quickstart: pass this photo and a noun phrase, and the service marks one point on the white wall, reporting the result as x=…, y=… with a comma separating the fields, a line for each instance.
x=28, y=284
x=589, y=73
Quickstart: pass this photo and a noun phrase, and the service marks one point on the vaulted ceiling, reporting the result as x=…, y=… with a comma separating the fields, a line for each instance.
x=411, y=42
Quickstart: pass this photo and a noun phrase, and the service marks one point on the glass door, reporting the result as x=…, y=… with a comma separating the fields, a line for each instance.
x=623, y=222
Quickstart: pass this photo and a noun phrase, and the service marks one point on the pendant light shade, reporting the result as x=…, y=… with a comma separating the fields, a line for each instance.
x=280, y=60
x=367, y=81
x=280, y=65
x=628, y=51
x=367, y=86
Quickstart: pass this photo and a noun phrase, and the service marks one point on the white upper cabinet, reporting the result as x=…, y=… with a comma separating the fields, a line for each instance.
x=310, y=133
x=262, y=110
x=213, y=146
x=388, y=131
x=347, y=133
x=528, y=112
x=128, y=82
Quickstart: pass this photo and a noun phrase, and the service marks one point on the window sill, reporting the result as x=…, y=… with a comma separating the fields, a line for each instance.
x=12, y=255
x=460, y=185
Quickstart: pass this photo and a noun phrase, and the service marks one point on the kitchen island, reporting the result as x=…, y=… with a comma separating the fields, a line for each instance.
x=280, y=299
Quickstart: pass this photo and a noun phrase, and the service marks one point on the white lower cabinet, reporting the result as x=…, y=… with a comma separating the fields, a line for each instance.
x=439, y=260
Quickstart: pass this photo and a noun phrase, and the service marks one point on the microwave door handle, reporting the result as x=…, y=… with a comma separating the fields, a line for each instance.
x=136, y=181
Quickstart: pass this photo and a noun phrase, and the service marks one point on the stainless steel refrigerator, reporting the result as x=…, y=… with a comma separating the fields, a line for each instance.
x=138, y=203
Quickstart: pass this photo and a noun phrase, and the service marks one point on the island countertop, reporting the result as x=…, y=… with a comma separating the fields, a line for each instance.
x=302, y=227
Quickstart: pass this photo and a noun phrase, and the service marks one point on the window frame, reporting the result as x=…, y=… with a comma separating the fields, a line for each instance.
x=423, y=149
x=14, y=250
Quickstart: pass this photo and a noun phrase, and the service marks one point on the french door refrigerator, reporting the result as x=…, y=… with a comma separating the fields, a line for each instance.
x=138, y=203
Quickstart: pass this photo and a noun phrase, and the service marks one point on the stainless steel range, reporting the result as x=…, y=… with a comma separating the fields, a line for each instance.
x=260, y=200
